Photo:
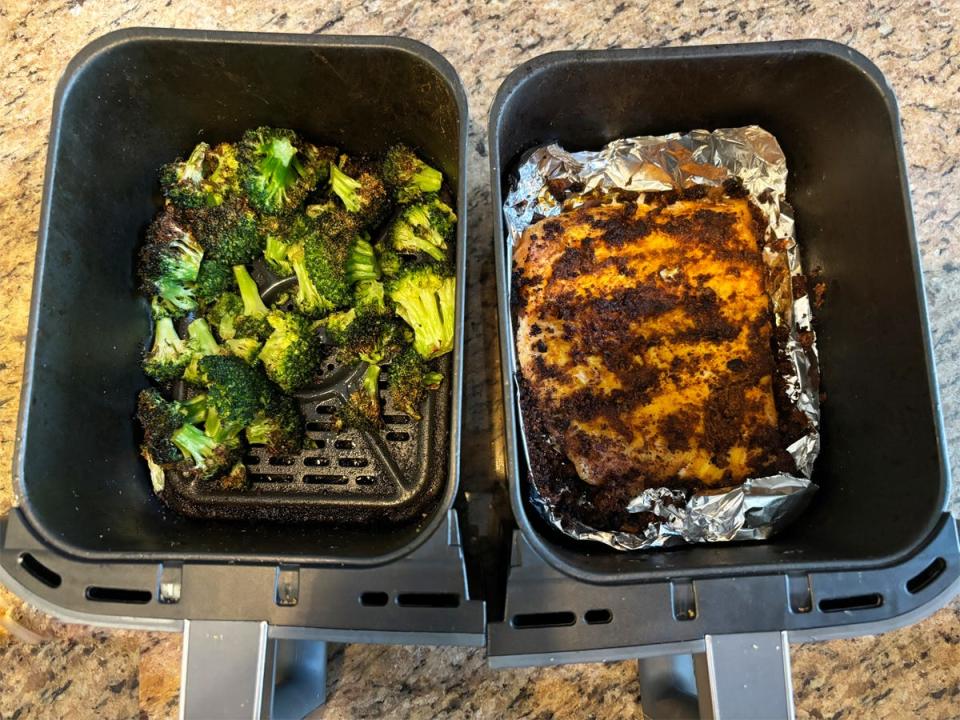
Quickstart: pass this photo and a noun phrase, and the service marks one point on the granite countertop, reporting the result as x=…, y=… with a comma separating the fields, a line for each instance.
x=79, y=672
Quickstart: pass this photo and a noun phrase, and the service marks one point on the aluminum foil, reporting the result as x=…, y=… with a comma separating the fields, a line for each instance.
x=551, y=179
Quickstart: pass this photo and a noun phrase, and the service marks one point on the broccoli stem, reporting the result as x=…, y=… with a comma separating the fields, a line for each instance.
x=249, y=292
x=194, y=409
x=194, y=443
x=201, y=338
x=371, y=377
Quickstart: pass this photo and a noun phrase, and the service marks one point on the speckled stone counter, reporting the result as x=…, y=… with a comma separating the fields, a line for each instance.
x=78, y=672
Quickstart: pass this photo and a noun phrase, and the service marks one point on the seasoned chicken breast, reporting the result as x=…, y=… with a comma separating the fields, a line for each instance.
x=644, y=340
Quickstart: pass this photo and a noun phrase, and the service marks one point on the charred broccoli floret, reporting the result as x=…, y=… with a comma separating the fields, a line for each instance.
x=362, y=409
x=160, y=419
x=204, y=179
x=409, y=377
x=278, y=168
x=168, y=356
x=291, y=355
x=168, y=265
x=424, y=228
x=236, y=393
x=426, y=300
x=408, y=176
x=215, y=279
x=279, y=427
x=332, y=222
x=362, y=261
x=252, y=322
x=360, y=189
x=319, y=259
x=229, y=232
x=211, y=457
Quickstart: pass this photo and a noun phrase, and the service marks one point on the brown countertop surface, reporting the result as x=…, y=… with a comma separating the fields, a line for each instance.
x=79, y=672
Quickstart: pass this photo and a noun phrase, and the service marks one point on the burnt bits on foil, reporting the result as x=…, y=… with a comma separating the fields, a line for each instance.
x=551, y=179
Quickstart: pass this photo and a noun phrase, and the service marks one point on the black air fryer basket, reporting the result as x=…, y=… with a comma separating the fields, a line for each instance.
x=89, y=540
x=876, y=543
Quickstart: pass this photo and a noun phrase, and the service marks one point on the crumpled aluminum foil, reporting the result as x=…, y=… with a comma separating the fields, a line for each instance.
x=760, y=506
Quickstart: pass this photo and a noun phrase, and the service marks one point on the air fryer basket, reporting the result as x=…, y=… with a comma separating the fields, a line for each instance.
x=875, y=548
x=126, y=105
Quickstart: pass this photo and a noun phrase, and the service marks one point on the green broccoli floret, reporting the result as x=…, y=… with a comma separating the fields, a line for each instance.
x=361, y=189
x=182, y=180
x=168, y=265
x=409, y=377
x=236, y=393
x=369, y=297
x=408, y=176
x=291, y=355
x=279, y=427
x=362, y=261
x=278, y=169
x=362, y=409
x=275, y=253
x=229, y=232
x=202, y=180
x=215, y=279
x=389, y=260
x=426, y=300
x=337, y=325
x=200, y=344
x=211, y=457
x=308, y=299
x=319, y=261
x=424, y=228
x=224, y=311
x=246, y=348
x=332, y=222
x=252, y=322
x=168, y=356
x=160, y=419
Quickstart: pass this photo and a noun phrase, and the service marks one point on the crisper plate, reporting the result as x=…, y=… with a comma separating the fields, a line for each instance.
x=349, y=476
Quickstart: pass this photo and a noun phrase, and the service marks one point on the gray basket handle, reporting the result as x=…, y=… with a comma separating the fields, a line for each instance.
x=739, y=677
x=236, y=671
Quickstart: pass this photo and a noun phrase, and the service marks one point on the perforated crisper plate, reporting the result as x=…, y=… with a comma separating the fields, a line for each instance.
x=351, y=475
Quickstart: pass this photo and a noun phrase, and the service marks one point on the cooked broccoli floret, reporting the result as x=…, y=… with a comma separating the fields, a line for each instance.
x=211, y=457
x=426, y=300
x=361, y=190
x=279, y=427
x=362, y=261
x=222, y=180
x=275, y=253
x=204, y=179
x=168, y=265
x=291, y=355
x=408, y=176
x=362, y=409
x=332, y=222
x=308, y=299
x=160, y=419
x=338, y=324
x=236, y=479
x=409, y=377
x=278, y=169
x=200, y=343
x=236, y=392
x=389, y=260
x=215, y=279
x=247, y=348
x=319, y=260
x=182, y=180
x=423, y=228
x=252, y=322
x=229, y=232
x=368, y=297
x=168, y=355
x=224, y=311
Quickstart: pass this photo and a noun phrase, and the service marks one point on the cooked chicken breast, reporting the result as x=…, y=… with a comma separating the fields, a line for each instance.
x=644, y=341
